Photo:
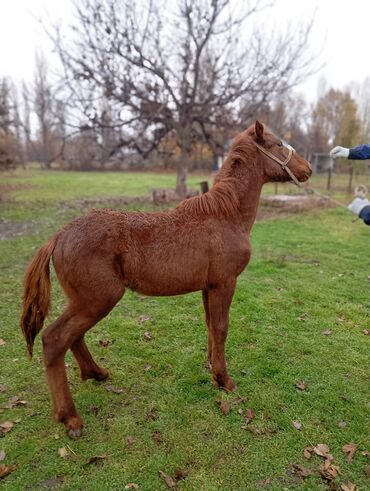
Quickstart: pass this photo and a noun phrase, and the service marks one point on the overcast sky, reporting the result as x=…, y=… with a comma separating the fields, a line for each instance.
x=340, y=35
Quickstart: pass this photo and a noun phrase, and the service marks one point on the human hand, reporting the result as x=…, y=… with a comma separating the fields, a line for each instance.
x=339, y=152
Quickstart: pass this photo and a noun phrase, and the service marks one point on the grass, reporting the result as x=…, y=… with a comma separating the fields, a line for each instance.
x=308, y=274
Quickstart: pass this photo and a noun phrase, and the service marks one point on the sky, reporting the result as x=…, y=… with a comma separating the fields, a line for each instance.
x=339, y=36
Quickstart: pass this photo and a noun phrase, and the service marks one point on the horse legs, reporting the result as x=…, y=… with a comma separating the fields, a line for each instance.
x=219, y=301
x=67, y=331
x=89, y=368
x=207, y=318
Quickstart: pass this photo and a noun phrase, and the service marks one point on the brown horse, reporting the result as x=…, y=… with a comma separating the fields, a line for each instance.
x=203, y=244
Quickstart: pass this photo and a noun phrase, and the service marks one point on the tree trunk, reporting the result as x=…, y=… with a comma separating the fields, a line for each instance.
x=182, y=174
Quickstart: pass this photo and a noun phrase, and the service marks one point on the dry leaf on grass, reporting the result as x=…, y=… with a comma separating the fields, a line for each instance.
x=132, y=485
x=323, y=450
x=63, y=452
x=2, y=388
x=181, y=474
x=16, y=401
x=104, y=342
x=2, y=455
x=329, y=471
x=297, y=425
x=6, y=469
x=327, y=332
x=225, y=407
x=96, y=459
x=307, y=452
x=301, y=471
x=152, y=414
x=348, y=486
x=367, y=470
x=342, y=424
x=144, y=318
x=366, y=332
x=350, y=450
x=301, y=385
x=6, y=426
x=249, y=415
x=2, y=342
x=147, y=336
x=116, y=390
x=157, y=437
x=170, y=482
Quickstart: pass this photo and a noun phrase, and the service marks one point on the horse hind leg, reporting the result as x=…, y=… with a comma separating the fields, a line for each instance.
x=67, y=332
x=88, y=367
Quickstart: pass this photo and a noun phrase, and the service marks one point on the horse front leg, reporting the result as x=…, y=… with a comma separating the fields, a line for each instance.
x=207, y=319
x=219, y=301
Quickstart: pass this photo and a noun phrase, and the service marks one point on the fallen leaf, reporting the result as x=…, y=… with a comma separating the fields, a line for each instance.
x=132, y=485
x=130, y=440
x=116, y=390
x=16, y=401
x=157, y=437
x=148, y=367
x=96, y=459
x=342, y=424
x=181, y=474
x=104, y=342
x=301, y=385
x=225, y=407
x=303, y=316
x=307, y=452
x=6, y=469
x=348, y=487
x=63, y=452
x=147, y=336
x=297, y=425
x=171, y=483
x=367, y=470
x=329, y=471
x=300, y=471
x=2, y=455
x=2, y=342
x=152, y=414
x=327, y=332
x=366, y=332
x=249, y=415
x=323, y=451
x=144, y=318
x=2, y=388
x=350, y=450
x=6, y=426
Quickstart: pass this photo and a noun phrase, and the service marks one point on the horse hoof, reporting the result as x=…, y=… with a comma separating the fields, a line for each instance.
x=100, y=375
x=75, y=434
x=74, y=427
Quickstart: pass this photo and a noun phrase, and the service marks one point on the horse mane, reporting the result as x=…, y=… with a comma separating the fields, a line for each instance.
x=222, y=199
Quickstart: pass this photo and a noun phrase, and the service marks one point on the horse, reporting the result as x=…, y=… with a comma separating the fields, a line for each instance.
x=201, y=245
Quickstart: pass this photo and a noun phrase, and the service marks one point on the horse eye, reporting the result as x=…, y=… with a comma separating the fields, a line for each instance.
x=280, y=144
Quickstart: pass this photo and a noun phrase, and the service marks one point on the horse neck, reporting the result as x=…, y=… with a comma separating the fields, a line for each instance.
x=247, y=181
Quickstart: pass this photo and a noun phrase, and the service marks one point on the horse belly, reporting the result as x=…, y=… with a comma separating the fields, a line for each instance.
x=165, y=274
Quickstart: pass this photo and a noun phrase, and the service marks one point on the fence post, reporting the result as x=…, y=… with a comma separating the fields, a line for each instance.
x=350, y=179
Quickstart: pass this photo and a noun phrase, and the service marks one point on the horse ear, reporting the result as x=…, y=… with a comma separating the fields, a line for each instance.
x=258, y=127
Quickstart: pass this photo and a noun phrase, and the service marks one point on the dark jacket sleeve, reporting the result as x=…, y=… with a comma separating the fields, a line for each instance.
x=362, y=152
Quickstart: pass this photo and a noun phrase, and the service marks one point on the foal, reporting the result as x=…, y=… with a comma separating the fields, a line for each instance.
x=203, y=244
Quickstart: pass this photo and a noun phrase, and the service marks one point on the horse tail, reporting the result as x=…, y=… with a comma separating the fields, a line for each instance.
x=36, y=298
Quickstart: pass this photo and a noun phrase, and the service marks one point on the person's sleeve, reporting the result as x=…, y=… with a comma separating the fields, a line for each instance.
x=362, y=152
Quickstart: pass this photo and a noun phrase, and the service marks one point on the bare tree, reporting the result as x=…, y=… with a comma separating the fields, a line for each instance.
x=175, y=67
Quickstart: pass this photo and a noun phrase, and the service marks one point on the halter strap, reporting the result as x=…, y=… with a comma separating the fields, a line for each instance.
x=284, y=164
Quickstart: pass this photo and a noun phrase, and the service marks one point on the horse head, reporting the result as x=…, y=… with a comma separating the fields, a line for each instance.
x=280, y=162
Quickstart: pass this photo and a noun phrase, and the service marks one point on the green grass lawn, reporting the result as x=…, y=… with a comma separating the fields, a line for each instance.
x=298, y=315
